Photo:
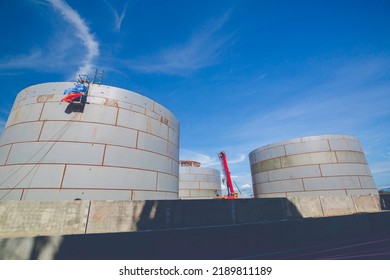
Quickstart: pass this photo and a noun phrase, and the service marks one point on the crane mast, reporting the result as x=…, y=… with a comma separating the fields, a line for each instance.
x=229, y=183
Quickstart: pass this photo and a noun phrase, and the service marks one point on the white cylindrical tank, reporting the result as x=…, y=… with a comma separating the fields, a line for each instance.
x=197, y=182
x=328, y=165
x=120, y=146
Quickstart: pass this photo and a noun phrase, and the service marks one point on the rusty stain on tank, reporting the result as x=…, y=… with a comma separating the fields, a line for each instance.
x=106, y=142
x=149, y=127
x=94, y=131
x=191, y=163
x=44, y=98
x=16, y=116
x=111, y=102
x=164, y=120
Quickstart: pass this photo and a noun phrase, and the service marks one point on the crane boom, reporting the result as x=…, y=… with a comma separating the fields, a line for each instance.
x=229, y=182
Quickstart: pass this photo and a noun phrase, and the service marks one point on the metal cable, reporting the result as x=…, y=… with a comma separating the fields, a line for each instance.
x=58, y=135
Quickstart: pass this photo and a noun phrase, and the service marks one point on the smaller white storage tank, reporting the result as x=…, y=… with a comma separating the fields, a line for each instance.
x=197, y=182
x=327, y=165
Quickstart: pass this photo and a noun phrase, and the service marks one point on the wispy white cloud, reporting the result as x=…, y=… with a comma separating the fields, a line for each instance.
x=382, y=167
x=119, y=16
x=62, y=51
x=207, y=160
x=342, y=97
x=382, y=178
x=201, y=51
x=22, y=61
x=204, y=159
x=81, y=31
x=353, y=99
x=237, y=159
x=3, y=118
x=381, y=172
x=350, y=100
x=2, y=122
x=246, y=191
x=246, y=186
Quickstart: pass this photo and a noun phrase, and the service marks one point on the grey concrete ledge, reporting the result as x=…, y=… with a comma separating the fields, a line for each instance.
x=29, y=218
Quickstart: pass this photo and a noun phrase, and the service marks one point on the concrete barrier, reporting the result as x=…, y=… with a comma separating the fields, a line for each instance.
x=308, y=206
x=361, y=236
x=114, y=216
x=333, y=206
x=367, y=203
x=34, y=218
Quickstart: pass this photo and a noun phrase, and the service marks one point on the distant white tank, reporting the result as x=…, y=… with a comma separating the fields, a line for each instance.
x=197, y=182
x=328, y=165
x=121, y=146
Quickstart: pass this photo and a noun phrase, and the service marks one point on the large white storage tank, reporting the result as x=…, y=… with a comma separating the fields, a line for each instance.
x=328, y=165
x=198, y=182
x=121, y=146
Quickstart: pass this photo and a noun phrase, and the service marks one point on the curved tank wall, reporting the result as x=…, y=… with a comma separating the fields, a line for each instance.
x=328, y=165
x=121, y=146
x=197, y=182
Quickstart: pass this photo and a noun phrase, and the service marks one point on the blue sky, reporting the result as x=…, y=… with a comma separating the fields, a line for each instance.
x=237, y=74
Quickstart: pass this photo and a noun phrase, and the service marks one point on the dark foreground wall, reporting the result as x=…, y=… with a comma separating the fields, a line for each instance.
x=359, y=236
x=385, y=201
x=53, y=218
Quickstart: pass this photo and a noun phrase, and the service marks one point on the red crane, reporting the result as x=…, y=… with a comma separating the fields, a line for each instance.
x=231, y=193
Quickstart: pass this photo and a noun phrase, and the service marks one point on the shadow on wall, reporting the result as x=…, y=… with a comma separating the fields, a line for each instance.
x=163, y=228
x=179, y=214
x=225, y=229
x=30, y=248
x=187, y=229
x=74, y=108
x=361, y=236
